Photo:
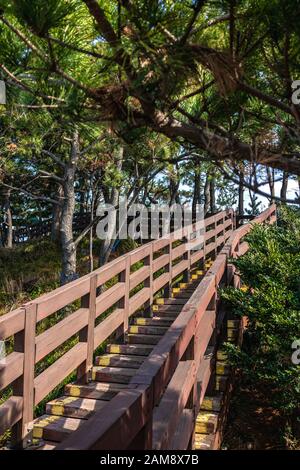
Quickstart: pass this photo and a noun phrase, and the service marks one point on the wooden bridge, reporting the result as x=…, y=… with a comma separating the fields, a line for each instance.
x=142, y=337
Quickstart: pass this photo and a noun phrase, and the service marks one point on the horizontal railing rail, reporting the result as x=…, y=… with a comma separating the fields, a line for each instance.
x=167, y=391
x=101, y=304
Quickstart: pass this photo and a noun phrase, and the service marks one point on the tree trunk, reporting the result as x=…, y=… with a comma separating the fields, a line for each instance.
x=241, y=195
x=173, y=187
x=197, y=193
x=212, y=190
x=206, y=195
x=285, y=181
x=66, y=231
x=56, y=216
x=111, y=197
x=271, y=178
x=8, y=224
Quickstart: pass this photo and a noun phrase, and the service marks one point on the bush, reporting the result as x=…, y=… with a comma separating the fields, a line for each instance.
x=271, y=269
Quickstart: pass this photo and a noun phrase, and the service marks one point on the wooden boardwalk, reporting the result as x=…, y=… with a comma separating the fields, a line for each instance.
x=161, y=380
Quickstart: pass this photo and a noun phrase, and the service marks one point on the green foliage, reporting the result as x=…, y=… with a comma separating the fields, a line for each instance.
x=271, y=269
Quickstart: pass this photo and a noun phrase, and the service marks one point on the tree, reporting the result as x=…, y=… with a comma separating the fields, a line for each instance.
x=270, y=270
x=160, y=66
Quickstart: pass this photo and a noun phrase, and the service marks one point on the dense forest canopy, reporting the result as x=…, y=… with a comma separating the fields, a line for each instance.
x=214, y=75
x=160, y=101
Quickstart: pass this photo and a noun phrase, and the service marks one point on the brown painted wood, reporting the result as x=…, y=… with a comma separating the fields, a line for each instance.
x=188, y=313
x=56, y=335
x=184, y=430
x=166, y=417
x=74, y=407
x=10, y=413
x=119, y=360
x=11, y=367
x=95, y=390
x=11, y=323
x=87, y=334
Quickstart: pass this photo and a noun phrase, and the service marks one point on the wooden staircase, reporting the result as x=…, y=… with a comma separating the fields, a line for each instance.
x=112, y=371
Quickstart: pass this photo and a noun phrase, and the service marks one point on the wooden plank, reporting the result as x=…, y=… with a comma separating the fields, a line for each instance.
x=179, y=268
x=11, y=367
x=135, y=349
x=109, y=298
x=206, y=422
x=119, y=360
x=74, y=407
x=184, y=430
x=55, y=428
x=140, y=253
x=138, y=300
x=56, y=335
x=154, y=321
x=108, y=326
x=160, y=262
x=11, y=323
x=95, y=390
x=10, y=413
x=127, y=411
x=139, y=276
x=113, y=374
x=143, y=339
x=147, y=330
x=178, y=251
x=86, y=335
x=62, y=296
x=166, y=416
x=160, y=282
x=29, y=362
x=46, y=381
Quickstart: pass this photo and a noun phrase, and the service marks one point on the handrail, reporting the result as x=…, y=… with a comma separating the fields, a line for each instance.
x=142, y=417
x=160, y=263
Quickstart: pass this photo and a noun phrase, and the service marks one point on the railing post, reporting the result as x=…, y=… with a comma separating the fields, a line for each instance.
x=149, y=280
x=168, y=289
x=124, y=276
x=24, y=386
x=187, y=256
x=87, y=334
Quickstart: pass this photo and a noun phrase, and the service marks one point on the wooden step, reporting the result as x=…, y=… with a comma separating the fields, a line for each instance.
x=213, y=403
x=40, y=444
x=135, y=349
x=206, y=422
x=174, y=301
x=113, y=374
x=204, y=441
x=222, y=368
x=119, y=360
x=55, y=428
x=143, y=339
x=221, y=382
x=167, y=311
x=95, y=390
x=182, y=295
x=147, y=330
x=154, y=321
x=221, y=355
x=74, y=407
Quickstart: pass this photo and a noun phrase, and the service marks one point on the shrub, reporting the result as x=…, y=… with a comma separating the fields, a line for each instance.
x=271, y=269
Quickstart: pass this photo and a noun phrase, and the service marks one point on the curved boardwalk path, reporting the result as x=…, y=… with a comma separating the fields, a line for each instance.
x=160, y=380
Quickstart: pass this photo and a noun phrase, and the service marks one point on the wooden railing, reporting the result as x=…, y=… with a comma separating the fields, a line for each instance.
x=160, y=408
x=108, y=298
